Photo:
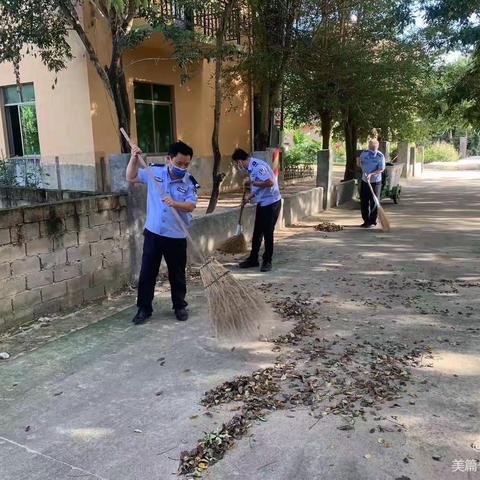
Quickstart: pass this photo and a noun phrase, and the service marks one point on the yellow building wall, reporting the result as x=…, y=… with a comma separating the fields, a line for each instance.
x=63, y=113
x=193, y=101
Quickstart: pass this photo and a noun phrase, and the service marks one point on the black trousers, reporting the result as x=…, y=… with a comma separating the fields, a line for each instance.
x=265, y=221
x=175, y=252
x=369, y=209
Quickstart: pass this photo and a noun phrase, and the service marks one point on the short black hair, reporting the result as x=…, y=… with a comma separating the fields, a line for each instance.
x=239, y=154
x=180, y=147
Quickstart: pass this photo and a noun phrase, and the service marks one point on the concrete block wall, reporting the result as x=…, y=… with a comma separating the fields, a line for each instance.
x=60, y=255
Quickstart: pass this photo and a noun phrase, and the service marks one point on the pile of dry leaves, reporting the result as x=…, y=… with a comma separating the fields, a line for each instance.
x=328, y=227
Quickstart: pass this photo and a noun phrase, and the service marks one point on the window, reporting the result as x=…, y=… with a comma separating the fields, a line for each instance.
x=21, y=120
x=154, y=112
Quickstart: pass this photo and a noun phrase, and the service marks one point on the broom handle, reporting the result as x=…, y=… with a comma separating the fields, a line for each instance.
x=375, y=198
x=243, y=205
x=179, y=220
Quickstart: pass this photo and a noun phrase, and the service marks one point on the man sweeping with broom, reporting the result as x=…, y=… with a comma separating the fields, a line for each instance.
x=372, y=163
x=265, y=191
x=164, y=237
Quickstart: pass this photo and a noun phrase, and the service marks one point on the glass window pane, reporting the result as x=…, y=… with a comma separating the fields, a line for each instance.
x=144, y=118
x=162, y=93
x=14, y=132
x=28, y=93
x=10, y=95
x=28, y=119
x=163, y=127
x=142, y=91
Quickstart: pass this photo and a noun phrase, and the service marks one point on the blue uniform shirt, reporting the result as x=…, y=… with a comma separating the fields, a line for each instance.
x=370, y=162
x=260, y=171
x=160, y=218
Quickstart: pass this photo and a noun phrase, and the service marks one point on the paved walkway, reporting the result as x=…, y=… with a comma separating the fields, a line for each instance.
x=118, y=402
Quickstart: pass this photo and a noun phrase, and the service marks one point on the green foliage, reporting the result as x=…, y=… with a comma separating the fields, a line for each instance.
x=304, y=150
x=441, y=152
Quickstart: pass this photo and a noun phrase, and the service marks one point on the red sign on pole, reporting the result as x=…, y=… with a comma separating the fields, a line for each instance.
x=277, y=117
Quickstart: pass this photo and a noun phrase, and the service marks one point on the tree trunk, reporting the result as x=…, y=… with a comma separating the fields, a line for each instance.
x=351, y=137
x=217, y=155
x=326, y=125
x=118, y=85
x=264, y=130
x=217, y=111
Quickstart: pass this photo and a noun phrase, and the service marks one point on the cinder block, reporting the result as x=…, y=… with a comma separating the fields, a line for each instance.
x=48, y=308
x=126, y=256
x=100, y=218
x=78, y=284
x=35, y=214
x=66, y=273
x=30, y=231
x=69, y=239
x=26, y=300
x=85, y=206
x=64, y=209
x=6, y=308
x=122, y=215
x=117, y=284
x=124, y=230
x=107, y=203
x=50, y=260
x=73, y=299
x=16, y=235
x=41, y=245
x=9, y=253
x=9, y=217
x=112, y=259
x=25, y=265
x=52, y=227
x=76, y=254
x=12, y=286
x=4, y=236
x=91, y=264
x=40, y=279
x=5, y=270
x=54, y=291
x=103, y=277
x=90, y=236
x=104, y=246
x=94, y=293
x=76, y=223
x=110, y=231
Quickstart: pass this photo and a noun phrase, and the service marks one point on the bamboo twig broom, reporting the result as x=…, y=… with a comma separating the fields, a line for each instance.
x=237, y=243
x=384, y=221
x=236, y=309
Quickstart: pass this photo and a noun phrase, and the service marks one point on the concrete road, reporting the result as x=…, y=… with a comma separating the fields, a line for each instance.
x=118, y=402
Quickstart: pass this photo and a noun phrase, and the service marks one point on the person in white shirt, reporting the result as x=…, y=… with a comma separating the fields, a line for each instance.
x=265, y=191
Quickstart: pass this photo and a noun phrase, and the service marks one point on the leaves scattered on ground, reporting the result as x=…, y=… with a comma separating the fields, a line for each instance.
x=336, y=376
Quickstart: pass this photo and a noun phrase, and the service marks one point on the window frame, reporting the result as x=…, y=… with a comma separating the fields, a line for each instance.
x=170, y=104
x=8, y=121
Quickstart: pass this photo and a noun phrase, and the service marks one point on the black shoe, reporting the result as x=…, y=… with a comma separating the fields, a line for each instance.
x=181, y=314
x=365, y=225
x=266, y=266
x=249, y=263
x=141, y=317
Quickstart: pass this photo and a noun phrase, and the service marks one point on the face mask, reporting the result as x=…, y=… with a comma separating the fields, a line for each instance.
x=177, y=171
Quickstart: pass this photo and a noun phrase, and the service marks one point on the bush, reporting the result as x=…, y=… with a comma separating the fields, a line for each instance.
x=441, y=152
x=304, y=150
